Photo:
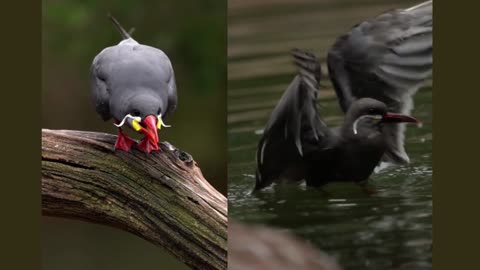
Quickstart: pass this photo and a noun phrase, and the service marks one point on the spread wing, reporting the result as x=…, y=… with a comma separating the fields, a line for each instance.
x=293, y=123
x=387, y=58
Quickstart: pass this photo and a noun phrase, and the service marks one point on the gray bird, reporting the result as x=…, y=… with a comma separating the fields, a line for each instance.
x=135, y=85
x=376, y=69
x=387, y=58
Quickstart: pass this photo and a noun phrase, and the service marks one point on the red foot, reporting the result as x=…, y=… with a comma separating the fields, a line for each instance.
x=147, y=145
x=370, y=190
x=123, y=142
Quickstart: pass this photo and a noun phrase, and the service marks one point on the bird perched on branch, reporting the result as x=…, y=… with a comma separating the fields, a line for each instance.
x=376, y=68
x=135, y=85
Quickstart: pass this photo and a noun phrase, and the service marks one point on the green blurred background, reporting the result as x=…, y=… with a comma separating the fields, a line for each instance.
x=193, y=34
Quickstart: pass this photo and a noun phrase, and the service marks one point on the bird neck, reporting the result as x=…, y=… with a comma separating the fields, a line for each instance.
x=368, y=140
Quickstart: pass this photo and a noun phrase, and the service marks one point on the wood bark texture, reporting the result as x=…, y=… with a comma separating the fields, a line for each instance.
x=161, y=197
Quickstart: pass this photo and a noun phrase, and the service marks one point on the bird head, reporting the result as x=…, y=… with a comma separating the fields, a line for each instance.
x=371, y=113
x=144, y=115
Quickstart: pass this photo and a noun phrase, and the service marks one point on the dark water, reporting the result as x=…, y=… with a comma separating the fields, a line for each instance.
x=390, y=229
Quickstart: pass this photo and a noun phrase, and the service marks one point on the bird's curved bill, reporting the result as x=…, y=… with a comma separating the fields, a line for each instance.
x=149, y=128
x=398, y=118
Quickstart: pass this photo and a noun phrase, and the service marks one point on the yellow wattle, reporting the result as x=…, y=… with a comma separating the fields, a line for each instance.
x=136, y=125
x=159, y=123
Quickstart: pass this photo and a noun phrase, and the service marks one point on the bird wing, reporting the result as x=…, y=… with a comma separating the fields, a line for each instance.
x=159, y=62
x=387, y=58
x=172, y=93
x=293, y=122
x=98, y=81
x=100, y=91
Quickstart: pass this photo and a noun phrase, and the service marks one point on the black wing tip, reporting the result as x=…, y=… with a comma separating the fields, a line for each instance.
x=308, y=64
x=303, y=55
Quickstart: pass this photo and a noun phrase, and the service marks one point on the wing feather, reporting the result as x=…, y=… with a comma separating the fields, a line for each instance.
x=100, y=92
x=293, y=122
x=387, y=58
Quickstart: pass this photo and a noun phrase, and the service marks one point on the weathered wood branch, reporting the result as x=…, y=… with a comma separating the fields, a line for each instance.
x=161, y=197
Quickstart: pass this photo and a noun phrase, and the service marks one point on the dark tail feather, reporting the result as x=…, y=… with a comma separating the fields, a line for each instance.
x=120, y=29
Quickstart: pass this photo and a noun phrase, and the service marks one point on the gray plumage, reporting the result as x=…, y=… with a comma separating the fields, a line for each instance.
x=387, y=58
x=131, y=78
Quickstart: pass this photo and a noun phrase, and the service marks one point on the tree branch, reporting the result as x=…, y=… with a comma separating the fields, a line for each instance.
x=161, y=197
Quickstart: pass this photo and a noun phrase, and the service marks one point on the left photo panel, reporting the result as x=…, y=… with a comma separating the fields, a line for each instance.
x=134, y=135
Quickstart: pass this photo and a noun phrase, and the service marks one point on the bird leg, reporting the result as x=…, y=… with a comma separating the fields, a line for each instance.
x=150, y=141
x=369, y=190
x=147, y=145
x=123, y=142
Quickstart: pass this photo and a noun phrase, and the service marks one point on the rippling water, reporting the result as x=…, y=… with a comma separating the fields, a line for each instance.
x=389, y=229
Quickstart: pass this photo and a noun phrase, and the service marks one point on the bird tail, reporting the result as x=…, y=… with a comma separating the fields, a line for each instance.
x=119, y=27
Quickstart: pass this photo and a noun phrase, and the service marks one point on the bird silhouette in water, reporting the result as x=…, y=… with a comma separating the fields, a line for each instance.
x=375, y=69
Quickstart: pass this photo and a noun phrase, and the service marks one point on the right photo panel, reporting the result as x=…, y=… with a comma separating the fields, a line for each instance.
x=330, y=134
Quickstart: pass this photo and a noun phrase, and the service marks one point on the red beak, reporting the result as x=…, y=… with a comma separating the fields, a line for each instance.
x=398, y=118
x=149, y=128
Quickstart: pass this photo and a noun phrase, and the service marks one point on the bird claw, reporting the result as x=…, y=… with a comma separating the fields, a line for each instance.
x=123, y=142
x=146, y=145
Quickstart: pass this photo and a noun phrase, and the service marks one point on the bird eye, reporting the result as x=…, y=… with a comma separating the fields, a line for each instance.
x=101, y=78
x=135, y=113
